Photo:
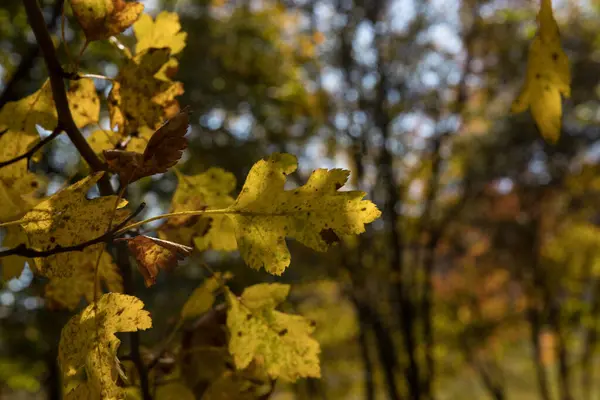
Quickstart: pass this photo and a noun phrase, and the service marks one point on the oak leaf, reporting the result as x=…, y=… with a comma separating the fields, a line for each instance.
x=316, y=214
x=88, y=345
x=154, y=254
x=278, y=343
x=68, y=218
x=101, y=19
x=141, y=98
x=548, y=77
x=208, y=190
x=164, y=149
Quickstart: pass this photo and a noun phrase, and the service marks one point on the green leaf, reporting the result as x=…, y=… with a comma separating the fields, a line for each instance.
x=316, y=214
x=278, y=343
x=88, y=345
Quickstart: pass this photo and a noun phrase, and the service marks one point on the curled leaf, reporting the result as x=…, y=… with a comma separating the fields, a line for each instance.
x=154, y=254
x=163, y=151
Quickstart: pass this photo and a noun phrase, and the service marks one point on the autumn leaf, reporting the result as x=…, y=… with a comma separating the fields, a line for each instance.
x=208, y=190
x=203, y=297
x=101, y=19
x=140, y=98
x=164, y=31
x=88, y=345
x=154, y=254
x=68, y=218
x=278, y=343
x=316, y=214
x=163, y=151
x=68, y=292
x=548, y=77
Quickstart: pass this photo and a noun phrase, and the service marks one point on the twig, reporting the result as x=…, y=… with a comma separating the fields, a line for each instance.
x=24, y=251
x=57, y=131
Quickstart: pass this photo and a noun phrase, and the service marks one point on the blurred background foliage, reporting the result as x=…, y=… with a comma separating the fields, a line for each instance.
x=481, y=279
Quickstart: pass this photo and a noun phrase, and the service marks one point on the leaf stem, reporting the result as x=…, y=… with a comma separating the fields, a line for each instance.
x=174, y=214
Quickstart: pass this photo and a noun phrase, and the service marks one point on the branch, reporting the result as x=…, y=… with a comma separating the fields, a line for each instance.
x=56, y=74
x=57, y=131
x=24, y=251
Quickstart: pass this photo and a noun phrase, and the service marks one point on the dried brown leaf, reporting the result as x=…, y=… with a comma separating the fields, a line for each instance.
x=154, y=254
x=163, y=151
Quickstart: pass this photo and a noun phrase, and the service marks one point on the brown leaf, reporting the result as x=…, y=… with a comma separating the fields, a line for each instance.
x=154, y=254
x=164, y=150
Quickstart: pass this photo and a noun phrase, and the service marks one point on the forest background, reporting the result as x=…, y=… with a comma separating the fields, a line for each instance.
x=481, y=279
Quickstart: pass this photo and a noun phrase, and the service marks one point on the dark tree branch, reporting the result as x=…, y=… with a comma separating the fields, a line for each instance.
x=27, y=62
x=24, y=251
x=56, y=73
x=29, y=153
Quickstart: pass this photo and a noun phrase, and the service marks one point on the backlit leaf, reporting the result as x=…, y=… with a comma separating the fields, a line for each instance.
x=68, y=218
x=164, y=149
x=153, y=254
x=316, y=214
x=207, y=190
x=101, y=19
x=88, y=345
x=139, y=98
x=164, y=31
x=278, y=343
x=548, y=77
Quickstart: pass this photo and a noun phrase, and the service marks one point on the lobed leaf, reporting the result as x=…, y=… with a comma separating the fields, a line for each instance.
x=278, y=343
x=138, y=97
x=316, y=214
x=88, y=345
x=164, y=31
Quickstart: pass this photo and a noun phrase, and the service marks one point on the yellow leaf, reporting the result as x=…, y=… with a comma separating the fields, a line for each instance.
x=548, y=77
x=165, y=31
x=208, y=190
x=138, y=98
x=68, y=218
x=88, y=345
x=316, y=214
x=278, y=343
x=203, y=297
x=67, y=292
x=84, y=102
x=101, y=19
